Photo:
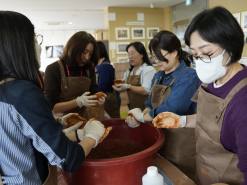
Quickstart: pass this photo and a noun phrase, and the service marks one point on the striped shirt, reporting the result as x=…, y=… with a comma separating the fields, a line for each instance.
x=30, y=138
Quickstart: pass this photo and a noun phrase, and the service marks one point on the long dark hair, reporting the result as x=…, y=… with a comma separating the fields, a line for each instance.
x=17, y=48
x=168, y=41
x=75, y=46
x=139, y=47
x=102, y=52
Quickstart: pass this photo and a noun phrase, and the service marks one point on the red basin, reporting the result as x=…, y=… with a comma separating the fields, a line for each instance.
x=122, y=158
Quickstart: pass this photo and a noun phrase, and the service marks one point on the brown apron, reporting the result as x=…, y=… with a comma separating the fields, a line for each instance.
x=179, y=145
x=52, y=176
x=74, y=86
x=112, y=105
x=135, y=100
x=214, y=163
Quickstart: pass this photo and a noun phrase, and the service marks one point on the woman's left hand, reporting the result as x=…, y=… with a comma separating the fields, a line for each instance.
x=132, y=122
x=137, y=114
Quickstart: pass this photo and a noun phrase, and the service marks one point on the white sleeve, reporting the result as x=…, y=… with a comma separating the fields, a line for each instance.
x=147, y=75
x=125, y=76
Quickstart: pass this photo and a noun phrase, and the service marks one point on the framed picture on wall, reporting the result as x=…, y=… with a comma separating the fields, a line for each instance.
x=57, y=51
x=237, y=16
x=138, y=33
x=121, y=47
x=244, y=21
x=122, y=59
x=151, y=31
x=54, y=51
x=122, y=33
x=49, y=51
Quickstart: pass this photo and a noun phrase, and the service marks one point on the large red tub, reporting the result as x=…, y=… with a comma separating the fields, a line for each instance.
x=122, y=158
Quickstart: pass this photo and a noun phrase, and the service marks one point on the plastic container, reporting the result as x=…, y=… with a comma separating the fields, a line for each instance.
x=122, y=159
x=152, y=177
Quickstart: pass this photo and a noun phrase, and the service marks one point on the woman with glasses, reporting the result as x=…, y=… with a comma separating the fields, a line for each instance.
x=216, y=40
x=172, y=89
x=138, y=78
x=71, y=81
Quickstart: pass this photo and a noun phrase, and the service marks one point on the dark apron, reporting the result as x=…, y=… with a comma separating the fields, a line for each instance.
x=135, y=100
x=52, y=176
x=74, y=86
x=112, y=104
x=179, y=145
x=214, y=163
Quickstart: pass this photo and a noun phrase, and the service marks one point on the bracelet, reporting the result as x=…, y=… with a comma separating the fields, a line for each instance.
x=77, y=137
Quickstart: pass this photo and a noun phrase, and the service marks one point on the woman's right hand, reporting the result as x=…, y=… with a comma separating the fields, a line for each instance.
x=86, y=100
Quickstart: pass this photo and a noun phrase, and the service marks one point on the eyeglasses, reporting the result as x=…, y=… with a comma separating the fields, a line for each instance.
x=206, y=58
x=156, y=60
x=203, y=58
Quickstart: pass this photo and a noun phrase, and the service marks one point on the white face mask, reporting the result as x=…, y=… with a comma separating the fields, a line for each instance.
x=208, y=70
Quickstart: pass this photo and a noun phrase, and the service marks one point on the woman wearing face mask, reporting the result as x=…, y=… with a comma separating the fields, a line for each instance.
x=71, y=81
x=172, y=89
x=216, y=40
x=138, y=78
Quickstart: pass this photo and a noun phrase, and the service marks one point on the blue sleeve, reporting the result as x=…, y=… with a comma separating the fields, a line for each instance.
x=106, y=75
x=38, y=124
x=179, y=101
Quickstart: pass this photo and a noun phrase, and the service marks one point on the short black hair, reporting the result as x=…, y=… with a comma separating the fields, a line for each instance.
x=168, y=41
x=17, y=48
x=218, y=26
x=102, y=51
x=140, y=48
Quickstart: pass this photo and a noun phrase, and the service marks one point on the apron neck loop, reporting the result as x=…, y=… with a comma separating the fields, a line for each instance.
x=67, y=69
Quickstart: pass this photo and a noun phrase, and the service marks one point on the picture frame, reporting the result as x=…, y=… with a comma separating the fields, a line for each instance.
x=138, y=33
x=237, y=16
x=121, y=47
x=122, y=33
x=54, y=51
x=244, y=21
x=151, y=31
x=122, y=59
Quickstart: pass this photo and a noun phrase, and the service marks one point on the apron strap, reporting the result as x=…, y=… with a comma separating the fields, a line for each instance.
x=63, y=76
x=241, y=84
